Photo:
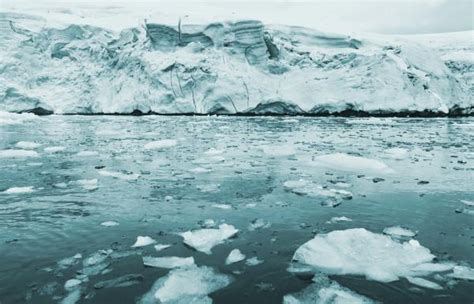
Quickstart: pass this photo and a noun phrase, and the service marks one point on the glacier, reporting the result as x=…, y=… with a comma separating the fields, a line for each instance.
x=241, y=67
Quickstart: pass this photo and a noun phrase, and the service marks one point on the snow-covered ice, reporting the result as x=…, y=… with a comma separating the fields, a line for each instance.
x=205, y=239
x=234, y=256
x=143, y=241
x=167, y=262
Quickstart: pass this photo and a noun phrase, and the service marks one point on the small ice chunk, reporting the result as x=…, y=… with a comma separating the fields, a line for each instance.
x=280, y=150
x=12, y=153
x=19, y=190
x=200, y=170
x=424, y=283
x=205, y=239
x=167, y=262
x=159, y=247
x=54, y=149
x=361, y=252
x=119, y=175
x=222, y=206
x=72, y=297
x=190, y=284
x=346, y=162
x=160, y=144
x=339, y=219
x=88, y=184
x=304, y=187
x=143, y=241
x=258, y=224
x=468, y=203
x=399, y=232
x=87, y=153
x=462, y=272
x=208, y=188
x=109, y=224
x=213, y=151
x=234, y=257
x=27, y=145
x=72, y=284
x=253, y=261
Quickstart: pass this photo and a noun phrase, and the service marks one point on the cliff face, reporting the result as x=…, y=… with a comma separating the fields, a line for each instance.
x=228, y=68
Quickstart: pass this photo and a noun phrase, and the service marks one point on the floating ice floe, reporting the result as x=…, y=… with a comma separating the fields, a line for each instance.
x=234, y=257
x=209, y=160
x=463, y=273
x=208, y=188
x=400, y=232
x=143, y=241
x=160, y=247
x=87, y=184
x=253, y=261
x=12, y=153
x=222, y=206
x=160, y=144
x=189, y=284
x=19, y=190
x=109, y=224
x=119, y=175
x=167, y=262
x=69, y=261
x=360, y=252
x=87, y=153
x=204, y=240
x=258, y=224
x=213, y=151
x=72, y=284
x=339, y=219
x=350, y=163
x=123, y=281
x=280, y=150
x=324, y=291
x=305, y=187
x=7, y=118
x=424, y=283
x=397, y=153
x=200, y=170
x=54, y=149
x=27, y=145
x=468, y=203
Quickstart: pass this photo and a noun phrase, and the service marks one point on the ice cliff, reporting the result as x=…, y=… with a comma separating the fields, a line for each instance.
x=229, y=67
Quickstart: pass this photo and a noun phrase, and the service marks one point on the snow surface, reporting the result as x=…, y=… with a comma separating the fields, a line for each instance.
x=190, y=284
x=91, y=61
x=205, y=239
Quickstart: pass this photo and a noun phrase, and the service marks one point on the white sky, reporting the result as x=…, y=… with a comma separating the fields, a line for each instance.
x=379, y=16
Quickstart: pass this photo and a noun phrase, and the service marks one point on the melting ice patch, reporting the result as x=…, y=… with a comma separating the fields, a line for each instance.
x=360, y=252
x=346, y=162
x=205, y=239
x=190, y=284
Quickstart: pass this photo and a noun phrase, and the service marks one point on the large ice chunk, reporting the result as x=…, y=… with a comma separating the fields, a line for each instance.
x=204, y=239
x=361, y=252
x=351, y=163
x=187, y=285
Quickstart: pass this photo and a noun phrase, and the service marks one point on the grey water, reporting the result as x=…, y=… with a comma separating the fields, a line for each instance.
x=62, y=217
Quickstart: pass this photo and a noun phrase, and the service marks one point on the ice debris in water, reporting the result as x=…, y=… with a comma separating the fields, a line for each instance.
x=123, y=281
x=361, y=252
x=204, y=240
x=87, y=153
x=462, y=272
x=160, y=144
x=12, y=153
x=190, y=284
x=468, y=203
x=72, y=284
x=400, y=232
x=27, y=145
x=253, y=261
x=280, y=150
x=19, y=190
x=143, y=241
x=87, y=184
x=234, y=257
x=339, y=219
x=424, y=283
x=109, y=224
x=222, y=206
x=305, y=187
x=258, y=224
x=200, y=170
x=119, y=175
x=167, y=262
x=397, y=153
x=54, y=149
x=160, y=247
x=350, y=163
x=324, y=291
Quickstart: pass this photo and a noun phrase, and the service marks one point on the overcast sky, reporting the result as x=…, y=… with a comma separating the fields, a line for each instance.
x=380, y=16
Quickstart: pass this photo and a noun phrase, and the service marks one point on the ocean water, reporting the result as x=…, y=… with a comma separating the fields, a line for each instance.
x=159, y=193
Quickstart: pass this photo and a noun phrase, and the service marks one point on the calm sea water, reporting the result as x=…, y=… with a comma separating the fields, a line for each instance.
x=62, y=217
